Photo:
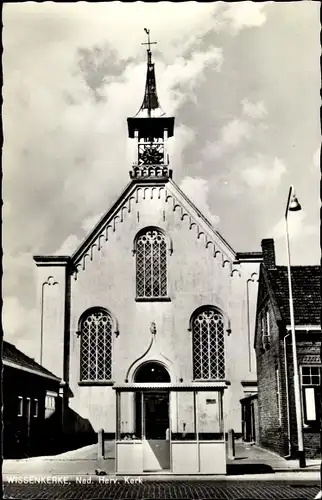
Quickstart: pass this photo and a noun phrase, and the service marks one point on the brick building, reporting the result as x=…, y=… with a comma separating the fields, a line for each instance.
x=31, y=405
x=273, y=345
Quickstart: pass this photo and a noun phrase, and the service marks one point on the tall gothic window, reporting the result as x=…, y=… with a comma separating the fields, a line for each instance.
x=208, y=345
x=96, y=346
x=151, y=264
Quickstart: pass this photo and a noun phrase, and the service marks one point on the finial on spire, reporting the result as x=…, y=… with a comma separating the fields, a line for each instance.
x=149, y=44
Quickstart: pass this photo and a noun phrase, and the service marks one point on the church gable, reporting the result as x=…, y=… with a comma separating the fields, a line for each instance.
x=128, y=206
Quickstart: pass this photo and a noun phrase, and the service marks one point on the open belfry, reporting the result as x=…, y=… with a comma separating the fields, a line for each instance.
x=150, y=322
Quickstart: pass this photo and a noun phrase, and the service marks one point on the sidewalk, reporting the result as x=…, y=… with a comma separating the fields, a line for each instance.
x=252, y=456
x=250, y=462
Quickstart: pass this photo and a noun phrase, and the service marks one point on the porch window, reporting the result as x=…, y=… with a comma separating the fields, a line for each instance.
x=96, y=346
x=151, y=264
x=311, y=394
x=208, y=345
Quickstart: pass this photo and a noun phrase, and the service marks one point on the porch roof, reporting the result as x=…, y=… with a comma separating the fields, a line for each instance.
x=193, y=386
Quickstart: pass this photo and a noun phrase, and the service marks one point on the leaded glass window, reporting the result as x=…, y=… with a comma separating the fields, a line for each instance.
x=96, y=346
x=208, y=345
x=151, y=264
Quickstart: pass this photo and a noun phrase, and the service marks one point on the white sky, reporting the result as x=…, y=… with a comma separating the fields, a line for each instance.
x=242, y=80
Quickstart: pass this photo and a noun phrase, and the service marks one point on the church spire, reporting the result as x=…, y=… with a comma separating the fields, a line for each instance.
x=150, y=106
x=151, y=128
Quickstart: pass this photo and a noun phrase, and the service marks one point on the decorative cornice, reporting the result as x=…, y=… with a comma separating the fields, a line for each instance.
x=139, y=189
x=249, y=257
x=52, y=260
x=151, y=172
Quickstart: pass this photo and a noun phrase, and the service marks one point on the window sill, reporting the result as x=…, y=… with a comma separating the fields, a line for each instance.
x=152, y=299
x=311, y=428
x=210, y=380
x=95, y=382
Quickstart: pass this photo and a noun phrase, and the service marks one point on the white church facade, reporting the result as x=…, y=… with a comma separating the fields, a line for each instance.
x=150, y=322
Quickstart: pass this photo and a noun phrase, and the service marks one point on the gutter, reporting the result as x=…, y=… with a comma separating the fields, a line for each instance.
x=11, y=364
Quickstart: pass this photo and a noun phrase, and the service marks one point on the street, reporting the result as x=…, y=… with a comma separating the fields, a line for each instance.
x=230, y=490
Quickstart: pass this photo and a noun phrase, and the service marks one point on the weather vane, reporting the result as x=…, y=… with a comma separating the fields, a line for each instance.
x=149, y=42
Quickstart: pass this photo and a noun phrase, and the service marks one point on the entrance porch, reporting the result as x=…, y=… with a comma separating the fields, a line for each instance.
x=169, y=428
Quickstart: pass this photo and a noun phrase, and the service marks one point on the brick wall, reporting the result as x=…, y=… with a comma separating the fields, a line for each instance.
x=272, y=432
x=308, y=352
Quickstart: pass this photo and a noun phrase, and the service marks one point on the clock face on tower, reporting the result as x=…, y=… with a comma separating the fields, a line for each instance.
x=151, y=154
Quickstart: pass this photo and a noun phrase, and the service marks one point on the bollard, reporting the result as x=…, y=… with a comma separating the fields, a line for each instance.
x=100, y=444
x=231, y=444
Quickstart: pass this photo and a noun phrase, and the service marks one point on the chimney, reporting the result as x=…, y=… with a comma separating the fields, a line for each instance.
x=268, y=249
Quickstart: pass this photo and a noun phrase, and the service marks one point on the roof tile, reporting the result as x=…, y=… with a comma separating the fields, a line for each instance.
x=11, y=354
x=306, y=291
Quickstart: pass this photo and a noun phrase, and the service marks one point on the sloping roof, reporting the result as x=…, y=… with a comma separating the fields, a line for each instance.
x=306, y=291
x=13, y=357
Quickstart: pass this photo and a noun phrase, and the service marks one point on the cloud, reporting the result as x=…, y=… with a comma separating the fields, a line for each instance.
x=231, y=135
x=235, y=131
x=297, y=225
x=20, y=324
x=254, y=110
x=197, y=189
x=244, y=15
x=179, y=80
x=73, y=241
x=263, y=173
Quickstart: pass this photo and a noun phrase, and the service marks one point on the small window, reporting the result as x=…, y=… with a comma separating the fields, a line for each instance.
x=50, y=403
x=265, y=328
x=36, y=408
x=20, y=406
x=311, y=394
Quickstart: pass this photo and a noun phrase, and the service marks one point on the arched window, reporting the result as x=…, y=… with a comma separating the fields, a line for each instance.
x=96, y=346
x=208, y=344
x=151, y=264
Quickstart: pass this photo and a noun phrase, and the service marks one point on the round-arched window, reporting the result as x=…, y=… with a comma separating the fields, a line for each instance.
x=152, y=372
x=151, y=264
x=208, y=345
x=96, y=346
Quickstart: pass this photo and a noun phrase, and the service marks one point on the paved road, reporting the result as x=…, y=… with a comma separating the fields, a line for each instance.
x=230, y=490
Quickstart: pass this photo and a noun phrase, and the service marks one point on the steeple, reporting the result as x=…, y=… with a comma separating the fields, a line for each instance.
x=151, y=128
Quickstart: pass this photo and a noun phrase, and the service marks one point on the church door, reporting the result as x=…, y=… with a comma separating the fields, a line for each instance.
x=156, y=434
x=152, y=418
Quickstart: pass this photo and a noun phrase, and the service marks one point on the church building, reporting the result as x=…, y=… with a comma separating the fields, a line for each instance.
x=150, y=323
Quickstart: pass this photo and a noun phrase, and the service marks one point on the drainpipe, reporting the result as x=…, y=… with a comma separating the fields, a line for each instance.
x=287, y=401
x=248, y=326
